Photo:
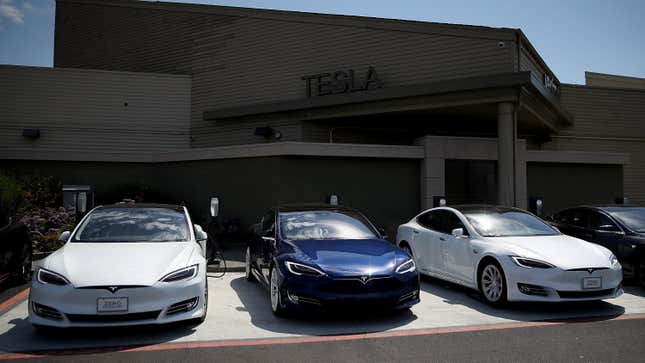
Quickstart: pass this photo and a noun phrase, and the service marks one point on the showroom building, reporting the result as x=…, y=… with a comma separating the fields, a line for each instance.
x=263, y=107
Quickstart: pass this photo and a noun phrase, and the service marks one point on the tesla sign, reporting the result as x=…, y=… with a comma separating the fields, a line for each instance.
x=342, y=81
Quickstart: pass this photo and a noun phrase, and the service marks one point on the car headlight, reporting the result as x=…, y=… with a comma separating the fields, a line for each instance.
x=613, y=262
x=51, y=278
x=185, y=273
x=530, y=262
x=405, y=267
x=300, y=269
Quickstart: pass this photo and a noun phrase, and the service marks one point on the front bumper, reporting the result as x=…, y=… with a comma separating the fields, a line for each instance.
x=556, y=285
x=77, y=307
x=329, y=293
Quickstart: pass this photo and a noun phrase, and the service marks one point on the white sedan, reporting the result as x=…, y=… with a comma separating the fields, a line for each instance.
x=124, y=264
x=509, y=255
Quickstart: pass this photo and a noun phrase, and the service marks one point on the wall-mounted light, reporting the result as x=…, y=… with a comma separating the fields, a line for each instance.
x=31, y=133
x=438, y=201
x=333, y=199
x=268, y=132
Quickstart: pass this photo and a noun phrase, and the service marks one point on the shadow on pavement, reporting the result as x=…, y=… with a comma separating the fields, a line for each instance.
x=255, y=300
x=520, y=311
x=23, y=337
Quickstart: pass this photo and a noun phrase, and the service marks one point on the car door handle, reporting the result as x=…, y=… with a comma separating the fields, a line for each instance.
x=415, y=231
x=441, y=239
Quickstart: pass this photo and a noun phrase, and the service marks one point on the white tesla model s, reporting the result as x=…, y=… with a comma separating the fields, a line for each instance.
x=124, y=264
x=509, y=255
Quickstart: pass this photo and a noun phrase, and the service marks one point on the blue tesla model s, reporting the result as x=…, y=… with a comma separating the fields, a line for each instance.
x=327, y=256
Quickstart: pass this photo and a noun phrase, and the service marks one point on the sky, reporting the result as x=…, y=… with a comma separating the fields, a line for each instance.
x=572, y=36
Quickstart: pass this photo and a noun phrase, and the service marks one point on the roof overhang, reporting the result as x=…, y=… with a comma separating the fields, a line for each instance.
x=505, y=87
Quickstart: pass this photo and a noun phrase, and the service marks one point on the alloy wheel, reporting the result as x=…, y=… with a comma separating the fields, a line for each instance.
x=492, y=283
x=275, y=292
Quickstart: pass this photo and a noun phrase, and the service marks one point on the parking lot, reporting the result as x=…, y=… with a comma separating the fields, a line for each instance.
x=239, y=310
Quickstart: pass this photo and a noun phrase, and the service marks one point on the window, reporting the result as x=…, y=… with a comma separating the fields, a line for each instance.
x=502, y=222
x=580, y=218
x=325, y=224
x=268, y=222
x=601, y=222
x=633, y=218
x=441, y=220
x=134, y=225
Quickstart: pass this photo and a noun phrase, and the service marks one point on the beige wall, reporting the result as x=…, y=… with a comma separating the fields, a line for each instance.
x=243, y=56
x=607, y=120
x=82, y=111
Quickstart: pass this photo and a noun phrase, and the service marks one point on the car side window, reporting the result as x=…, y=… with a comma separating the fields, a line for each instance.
x=601, y=222
x=580, y=218
x=451, y=221
x=268, y=222
x=563, y=217
x=429, y=220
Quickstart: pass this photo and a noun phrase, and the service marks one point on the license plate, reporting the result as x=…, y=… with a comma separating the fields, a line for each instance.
x=112, y=304
x=591, y=283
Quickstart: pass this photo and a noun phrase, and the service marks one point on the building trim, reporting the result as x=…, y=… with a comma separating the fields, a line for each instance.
x=576, y=157
x=505, y=80
x=226, y=152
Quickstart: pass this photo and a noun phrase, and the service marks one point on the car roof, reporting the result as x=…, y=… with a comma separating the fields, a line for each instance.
x=141, y=205
x=311, y=207
x=606, y=207
x=472, y=208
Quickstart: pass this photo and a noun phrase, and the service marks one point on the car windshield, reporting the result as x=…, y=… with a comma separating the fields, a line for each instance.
x=507, y=223
x=134, y=225
x=632, y=218
x=324, y=225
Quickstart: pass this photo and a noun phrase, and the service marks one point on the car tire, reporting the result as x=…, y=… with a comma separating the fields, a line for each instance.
x=247, y=266
x=275, y=292
x=203, y=317
x=492, y=284
x=640, y=274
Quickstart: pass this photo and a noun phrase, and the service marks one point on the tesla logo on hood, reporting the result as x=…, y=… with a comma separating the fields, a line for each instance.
x=365, y=279
x=590, y=270
x=113, y=289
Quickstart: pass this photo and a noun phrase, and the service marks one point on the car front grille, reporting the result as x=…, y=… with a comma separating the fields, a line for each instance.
x=585, y=294
x=113, y=318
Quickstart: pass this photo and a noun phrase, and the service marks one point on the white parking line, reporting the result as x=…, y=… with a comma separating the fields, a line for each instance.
x=240, y=310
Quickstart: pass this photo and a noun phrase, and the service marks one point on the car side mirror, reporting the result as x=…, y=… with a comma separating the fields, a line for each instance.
x=458, y=233
x=382, y=232
x=201, y=237
x=64, y=236
x=549, y=218
x=214, y=207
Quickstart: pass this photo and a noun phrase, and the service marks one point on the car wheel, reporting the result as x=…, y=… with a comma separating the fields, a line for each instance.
x=275, y=290
x=493, y=284
x=641, y=270
x=203, y=318
x=247, y=266
x=23, y=275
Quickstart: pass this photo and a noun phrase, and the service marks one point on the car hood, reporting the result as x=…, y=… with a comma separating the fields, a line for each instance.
x=562, y=251
x=350, y=257
x=100, y=264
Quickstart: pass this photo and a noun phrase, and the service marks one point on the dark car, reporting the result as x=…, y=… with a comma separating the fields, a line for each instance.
x=323, y=257
x=619, y=228
x=15, y=254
